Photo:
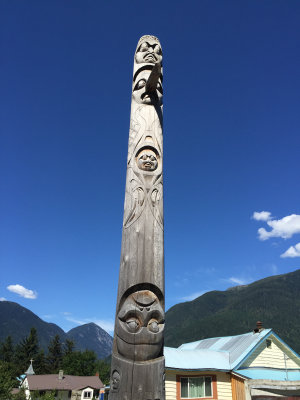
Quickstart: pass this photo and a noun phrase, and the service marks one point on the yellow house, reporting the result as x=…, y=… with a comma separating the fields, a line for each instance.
x=256, y=365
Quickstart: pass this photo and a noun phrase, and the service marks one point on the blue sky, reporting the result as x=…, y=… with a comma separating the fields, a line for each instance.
x=231, y=147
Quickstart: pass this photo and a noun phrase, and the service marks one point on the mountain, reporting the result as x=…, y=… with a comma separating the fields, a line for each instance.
x=17, y=321
x=275, y=301
x=92, y=337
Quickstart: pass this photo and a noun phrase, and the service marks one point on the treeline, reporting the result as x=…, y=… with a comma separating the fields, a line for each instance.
x=15, y=360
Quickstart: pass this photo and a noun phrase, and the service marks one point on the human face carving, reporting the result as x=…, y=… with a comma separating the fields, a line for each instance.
x=115, y=381
x=147, y=160
x=149, y=51
x=139, y=90
x=140, y=326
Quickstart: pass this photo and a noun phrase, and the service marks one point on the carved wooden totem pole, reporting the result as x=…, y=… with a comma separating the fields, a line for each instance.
x=137, y=371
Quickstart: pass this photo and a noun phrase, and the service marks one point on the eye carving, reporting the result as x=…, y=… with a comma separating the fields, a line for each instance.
x=133, y=324
x=157, y=49
x=140, y=84
x=144, y=47
x=153, y=326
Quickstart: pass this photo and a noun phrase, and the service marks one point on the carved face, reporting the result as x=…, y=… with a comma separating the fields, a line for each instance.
x=115, y=381
x=139, y=90
x=149, y=51
x=147, y=160
x=140, y=326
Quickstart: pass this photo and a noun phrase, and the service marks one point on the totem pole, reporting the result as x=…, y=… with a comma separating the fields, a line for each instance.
x=137, y=369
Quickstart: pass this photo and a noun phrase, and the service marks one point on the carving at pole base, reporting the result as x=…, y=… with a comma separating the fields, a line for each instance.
x=139, y=380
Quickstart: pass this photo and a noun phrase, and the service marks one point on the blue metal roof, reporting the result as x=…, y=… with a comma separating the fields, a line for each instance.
x=196, y=359
x=269, y=373
x=222, y=353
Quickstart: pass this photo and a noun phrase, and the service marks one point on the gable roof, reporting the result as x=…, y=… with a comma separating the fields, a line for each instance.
x=221, y=353
x=68, y=382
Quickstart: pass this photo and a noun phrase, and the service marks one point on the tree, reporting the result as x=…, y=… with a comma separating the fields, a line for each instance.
x=39, y=364
x=55, y=355
x=19, y=395
x=6, y=380
x=69, y=347
x=7, y=350
x=26, y=350
x=80, y=363
x=103, y=368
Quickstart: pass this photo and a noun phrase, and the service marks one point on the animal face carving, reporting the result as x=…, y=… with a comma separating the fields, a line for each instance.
x=148, y=51
x=147, y=160
x=140, y=326
x=139, y=93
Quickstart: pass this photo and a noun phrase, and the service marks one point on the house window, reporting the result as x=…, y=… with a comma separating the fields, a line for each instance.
x=195, y=387
x=269, y=343
x=87, y=395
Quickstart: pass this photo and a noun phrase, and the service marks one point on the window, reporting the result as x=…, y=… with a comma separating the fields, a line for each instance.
x=87, y=395
x=269, y=343
x=196, y=387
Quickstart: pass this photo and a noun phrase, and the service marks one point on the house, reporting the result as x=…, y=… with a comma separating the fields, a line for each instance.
x=256, y=365
x=65, y=387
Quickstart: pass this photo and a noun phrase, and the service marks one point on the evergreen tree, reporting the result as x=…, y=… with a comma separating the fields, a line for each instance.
x=39, y=364
x=103, y=368
x=69, y=347
x=7, y=350
x=26, y=350
x=7, y=382
x=80, y=363
x=55, y=355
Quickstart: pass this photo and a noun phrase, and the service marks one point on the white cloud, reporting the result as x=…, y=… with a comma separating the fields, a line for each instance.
x=22, y=291
x=193, y=296
x=284, y=228
x=49, y=316
x=293, y=251
x=3, y=299
x=106, y=324
x=66, y=313
x=237, y=281
x=274, y=269
x=261, y=216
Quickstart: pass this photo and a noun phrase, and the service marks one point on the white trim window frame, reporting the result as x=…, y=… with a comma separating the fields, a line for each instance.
x=87, y=394
x=189, y=389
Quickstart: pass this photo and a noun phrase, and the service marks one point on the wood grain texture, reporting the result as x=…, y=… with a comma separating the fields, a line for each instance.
x=137, y=361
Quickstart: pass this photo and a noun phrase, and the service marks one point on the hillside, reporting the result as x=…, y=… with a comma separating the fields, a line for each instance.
x=17, y=321
x=275, y=301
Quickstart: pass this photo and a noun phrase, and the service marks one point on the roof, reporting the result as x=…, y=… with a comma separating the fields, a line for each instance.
x=221, y=353
x=272, y=374
x=68, y=382
x=196, y=359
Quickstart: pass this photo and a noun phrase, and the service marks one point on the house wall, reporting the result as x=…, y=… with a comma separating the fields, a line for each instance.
x=238, y=388
x=272, y=357
x=223, y=383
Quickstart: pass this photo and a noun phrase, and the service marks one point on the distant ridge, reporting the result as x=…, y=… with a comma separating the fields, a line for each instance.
x=274, y=300
x=17, y=321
